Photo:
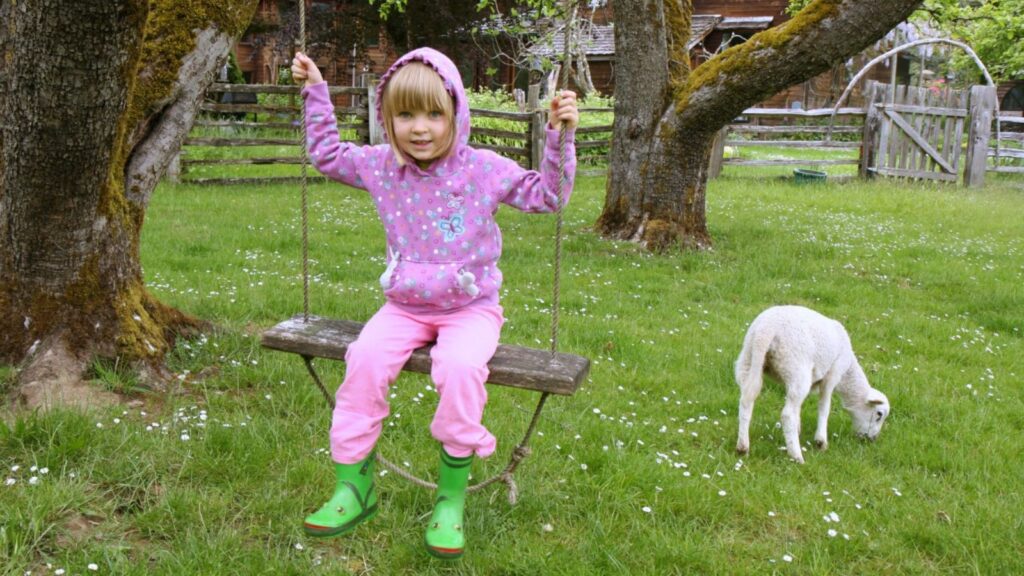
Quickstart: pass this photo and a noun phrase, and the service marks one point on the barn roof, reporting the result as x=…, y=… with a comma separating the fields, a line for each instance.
x=600, y=40
x=744, y=23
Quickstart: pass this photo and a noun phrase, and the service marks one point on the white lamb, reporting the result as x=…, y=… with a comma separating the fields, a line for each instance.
x=804, y=349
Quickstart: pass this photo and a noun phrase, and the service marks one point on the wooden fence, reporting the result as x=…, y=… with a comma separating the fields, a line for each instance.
x=903, y=131
x=906, y=133
x=783, y=131
x=1009, y=156
x=269, y=118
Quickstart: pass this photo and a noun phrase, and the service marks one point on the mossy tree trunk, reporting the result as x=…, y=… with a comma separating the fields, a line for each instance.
x=666, y=116
x=95, y=97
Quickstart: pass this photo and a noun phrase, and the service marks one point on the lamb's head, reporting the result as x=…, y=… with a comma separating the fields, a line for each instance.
x=869, y=414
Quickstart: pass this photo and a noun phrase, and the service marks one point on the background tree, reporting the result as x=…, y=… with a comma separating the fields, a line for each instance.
x=994, y=30
x=527, y=35
x=95, y=97
x=666, y=115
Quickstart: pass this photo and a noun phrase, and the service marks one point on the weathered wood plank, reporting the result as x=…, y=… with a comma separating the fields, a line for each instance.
x=912, y=133
x=494, y=133
x=1006, y=153
x=516, y=116
x=717, y=153
x=914, y=174
x=815, y=113
x=1007, y=169
x=525, y=152
x=359, y=111
x=745, y=129
x=206, y=122
x=228, y=161
x=935, y=110
x=791, y=162
x=593, y=129
x=983, y=105
x=514, y=366
x=251, y=181
x=958, y=129
x=947, y=130
x=203, y=141
x=278, y=89
x=883, y=158
x=869, y=138
x=792, y=143
x=904, y=94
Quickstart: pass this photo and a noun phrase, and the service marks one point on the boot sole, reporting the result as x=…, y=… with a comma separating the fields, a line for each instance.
x=445, y=553
x=327, y=531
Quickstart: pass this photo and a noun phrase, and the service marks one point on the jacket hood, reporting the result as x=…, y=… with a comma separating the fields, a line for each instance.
x=452, y=82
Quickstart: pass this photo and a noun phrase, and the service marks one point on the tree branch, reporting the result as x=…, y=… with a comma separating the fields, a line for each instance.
x=170, y=126
x=824, y=32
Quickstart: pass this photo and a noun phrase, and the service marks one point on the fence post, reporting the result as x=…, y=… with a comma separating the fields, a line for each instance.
x=376, y=136
x=867, y=139
x=983, y=104
x=717, y=153
x=173, y=173
x=537, y=127
x=520, y=97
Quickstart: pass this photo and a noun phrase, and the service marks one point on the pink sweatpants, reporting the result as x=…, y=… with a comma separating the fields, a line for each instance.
x=465, y=341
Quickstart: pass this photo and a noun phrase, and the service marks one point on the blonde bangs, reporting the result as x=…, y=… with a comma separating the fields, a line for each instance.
x=412, y=88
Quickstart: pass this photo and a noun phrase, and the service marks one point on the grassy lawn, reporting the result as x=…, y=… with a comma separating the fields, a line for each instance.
x=636, y=473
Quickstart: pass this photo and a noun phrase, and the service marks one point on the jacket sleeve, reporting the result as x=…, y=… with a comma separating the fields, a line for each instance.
x=532, y=191
x=333, y=158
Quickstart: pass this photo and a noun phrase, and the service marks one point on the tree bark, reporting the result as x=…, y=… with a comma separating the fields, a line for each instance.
x=97, y=96
x=666, y=116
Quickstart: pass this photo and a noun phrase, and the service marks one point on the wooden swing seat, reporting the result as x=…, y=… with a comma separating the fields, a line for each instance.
x=515, y=366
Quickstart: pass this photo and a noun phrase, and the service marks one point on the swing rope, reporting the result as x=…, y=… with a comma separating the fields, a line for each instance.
x=522, y=450
x=305, y=195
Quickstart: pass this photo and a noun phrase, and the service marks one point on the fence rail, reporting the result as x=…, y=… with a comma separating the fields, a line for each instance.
x=252, y=116
x=1008, y=156
x=238, y=120
x=781, y=132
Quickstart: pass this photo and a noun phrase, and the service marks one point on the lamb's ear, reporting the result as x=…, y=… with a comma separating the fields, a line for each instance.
x=876, y=398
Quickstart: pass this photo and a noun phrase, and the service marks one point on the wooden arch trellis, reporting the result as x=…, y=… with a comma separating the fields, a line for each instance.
x=882, y=57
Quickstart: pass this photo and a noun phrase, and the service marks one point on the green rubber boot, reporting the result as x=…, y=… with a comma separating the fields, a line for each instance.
x=445, y=537
x=354, y=501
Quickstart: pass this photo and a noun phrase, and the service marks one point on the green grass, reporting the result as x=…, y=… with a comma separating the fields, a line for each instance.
x=636, y=473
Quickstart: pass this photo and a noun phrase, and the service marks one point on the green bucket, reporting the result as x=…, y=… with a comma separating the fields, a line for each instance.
x=805, y=176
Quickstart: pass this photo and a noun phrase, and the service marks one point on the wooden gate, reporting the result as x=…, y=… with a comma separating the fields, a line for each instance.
x=914, y=132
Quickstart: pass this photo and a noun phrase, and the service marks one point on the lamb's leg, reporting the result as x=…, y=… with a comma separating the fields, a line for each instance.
x=828, y=386
x=797, y=389
x=748, y=395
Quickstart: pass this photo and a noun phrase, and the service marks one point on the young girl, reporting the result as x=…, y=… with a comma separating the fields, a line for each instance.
x=436, y=197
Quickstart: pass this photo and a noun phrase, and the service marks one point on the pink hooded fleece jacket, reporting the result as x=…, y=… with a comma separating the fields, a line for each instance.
x=443, y=242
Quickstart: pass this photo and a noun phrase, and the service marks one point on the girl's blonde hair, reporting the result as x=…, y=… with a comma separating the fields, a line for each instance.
x=416, y=87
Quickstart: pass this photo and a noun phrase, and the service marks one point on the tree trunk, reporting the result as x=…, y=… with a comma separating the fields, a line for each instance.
x=91, y=115
x=642, y=93
x=666, y=117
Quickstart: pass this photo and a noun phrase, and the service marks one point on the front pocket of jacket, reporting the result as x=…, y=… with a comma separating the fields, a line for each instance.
x=427, y=284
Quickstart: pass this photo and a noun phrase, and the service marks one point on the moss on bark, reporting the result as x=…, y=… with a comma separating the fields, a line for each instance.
x=743, y=56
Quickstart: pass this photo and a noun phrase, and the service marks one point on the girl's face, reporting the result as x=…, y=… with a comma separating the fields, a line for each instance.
x=421, y=134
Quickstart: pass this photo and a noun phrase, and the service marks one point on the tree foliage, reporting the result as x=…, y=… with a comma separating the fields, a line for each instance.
x=994, y=29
